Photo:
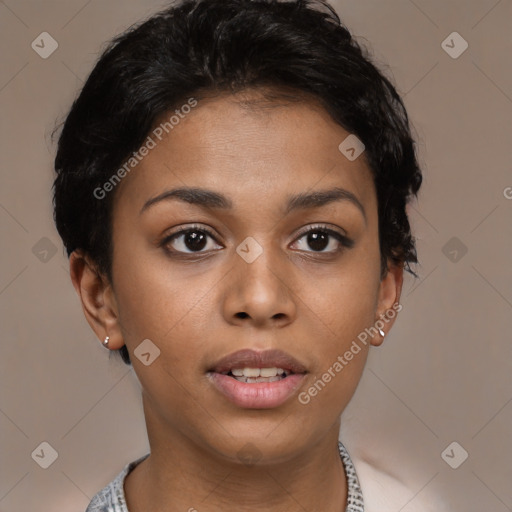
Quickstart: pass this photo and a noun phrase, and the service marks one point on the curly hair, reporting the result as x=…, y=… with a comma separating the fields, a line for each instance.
x=200, y=46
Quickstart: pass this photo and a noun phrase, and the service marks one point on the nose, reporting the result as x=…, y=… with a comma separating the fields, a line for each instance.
x=260, y=293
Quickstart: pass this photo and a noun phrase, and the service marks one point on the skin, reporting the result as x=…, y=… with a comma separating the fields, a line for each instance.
x=309, y=303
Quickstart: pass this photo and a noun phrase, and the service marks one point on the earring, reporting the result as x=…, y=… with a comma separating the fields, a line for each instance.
x=381, y=332
x=105, y=341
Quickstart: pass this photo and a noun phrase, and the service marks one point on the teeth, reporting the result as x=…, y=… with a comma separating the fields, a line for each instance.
x=252, y=380
x=270, y=372
x=251, y=372
x=258, y=372
x=253, y=375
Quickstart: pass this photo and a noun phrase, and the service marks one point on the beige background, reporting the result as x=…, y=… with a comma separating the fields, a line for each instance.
x=442, y=375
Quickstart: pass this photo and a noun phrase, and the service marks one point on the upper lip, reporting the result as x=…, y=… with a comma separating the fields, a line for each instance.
x=248, y=358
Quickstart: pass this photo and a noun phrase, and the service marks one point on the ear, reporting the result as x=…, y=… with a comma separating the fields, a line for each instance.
x=388, y=303
x=97, y=297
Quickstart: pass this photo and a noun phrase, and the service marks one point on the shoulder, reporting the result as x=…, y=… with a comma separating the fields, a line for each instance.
x=111, y=498
x=384, y=492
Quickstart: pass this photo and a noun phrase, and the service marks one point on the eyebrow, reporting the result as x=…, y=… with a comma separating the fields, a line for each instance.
x=211, y=199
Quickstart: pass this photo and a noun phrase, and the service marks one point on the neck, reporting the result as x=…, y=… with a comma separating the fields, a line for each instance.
x=180, y=475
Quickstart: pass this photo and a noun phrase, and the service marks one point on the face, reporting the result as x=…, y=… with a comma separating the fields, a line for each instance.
x=264, y=264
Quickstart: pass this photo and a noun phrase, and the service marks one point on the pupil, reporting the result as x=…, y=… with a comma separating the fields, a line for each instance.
x=318, y=241
x=195, y=241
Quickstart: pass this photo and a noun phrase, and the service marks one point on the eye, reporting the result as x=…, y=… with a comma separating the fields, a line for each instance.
x=195, y=239
x=189, y=240
x=323, y=240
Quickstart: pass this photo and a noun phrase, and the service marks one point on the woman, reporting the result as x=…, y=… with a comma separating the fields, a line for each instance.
x=231, y=190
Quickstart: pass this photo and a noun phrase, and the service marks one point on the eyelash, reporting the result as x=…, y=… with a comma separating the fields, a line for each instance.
x=319, y=228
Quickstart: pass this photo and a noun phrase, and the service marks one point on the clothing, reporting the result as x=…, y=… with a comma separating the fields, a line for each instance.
x=112, y=499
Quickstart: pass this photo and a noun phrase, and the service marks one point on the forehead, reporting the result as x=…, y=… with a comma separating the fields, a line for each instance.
x=247, y=148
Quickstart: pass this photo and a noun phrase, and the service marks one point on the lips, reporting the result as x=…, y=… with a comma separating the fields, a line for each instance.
x=251, y=359
x=234, y=376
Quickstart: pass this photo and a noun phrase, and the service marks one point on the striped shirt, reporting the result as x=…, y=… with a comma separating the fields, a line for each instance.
x=112, y=499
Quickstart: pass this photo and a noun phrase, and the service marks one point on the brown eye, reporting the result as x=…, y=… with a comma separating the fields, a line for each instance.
x=323, y=240
x=189, y=241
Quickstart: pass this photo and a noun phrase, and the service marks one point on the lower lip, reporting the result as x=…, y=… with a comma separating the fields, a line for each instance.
x=259, y=395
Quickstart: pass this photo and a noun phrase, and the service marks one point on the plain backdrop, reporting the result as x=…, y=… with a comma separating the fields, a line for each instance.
x=440, y=385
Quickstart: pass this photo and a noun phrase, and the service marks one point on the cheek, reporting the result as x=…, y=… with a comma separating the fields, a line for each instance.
x=151, y=297
x=352, y=305
x=349, y=310
x=346, y=307
x=162, y=307
x=150, y=300
x=153, y=302
x=346, y=301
